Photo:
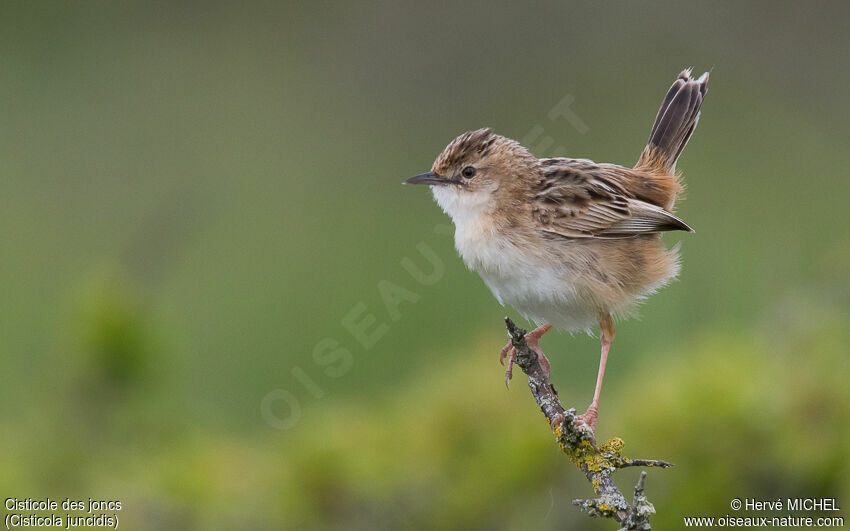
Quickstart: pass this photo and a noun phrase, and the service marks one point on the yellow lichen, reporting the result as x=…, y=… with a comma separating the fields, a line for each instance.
x=599, y=461
x=604, y=507
x=614, y=445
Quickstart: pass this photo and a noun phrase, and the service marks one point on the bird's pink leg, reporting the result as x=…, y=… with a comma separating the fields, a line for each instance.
x=531, y=338
x=589, y=416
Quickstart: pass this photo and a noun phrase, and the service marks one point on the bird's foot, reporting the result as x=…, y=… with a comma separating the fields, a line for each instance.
x=531, y=338
x=508, y=351
x=588, y=418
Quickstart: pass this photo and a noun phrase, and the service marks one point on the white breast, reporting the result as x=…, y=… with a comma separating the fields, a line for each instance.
x=541, y=292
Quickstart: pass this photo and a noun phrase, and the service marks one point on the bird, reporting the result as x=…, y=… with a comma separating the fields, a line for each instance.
x=568, y=242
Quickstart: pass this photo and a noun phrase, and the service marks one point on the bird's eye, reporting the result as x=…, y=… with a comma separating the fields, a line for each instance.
x=468, y=172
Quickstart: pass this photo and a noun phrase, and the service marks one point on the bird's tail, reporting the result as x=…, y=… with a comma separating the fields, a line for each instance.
x=674, y=123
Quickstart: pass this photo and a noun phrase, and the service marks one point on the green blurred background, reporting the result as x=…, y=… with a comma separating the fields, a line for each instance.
x=197, y=197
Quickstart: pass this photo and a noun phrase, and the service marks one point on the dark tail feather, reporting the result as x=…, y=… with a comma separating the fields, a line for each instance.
x=674, y=123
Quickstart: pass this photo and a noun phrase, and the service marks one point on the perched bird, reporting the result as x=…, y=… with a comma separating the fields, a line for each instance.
x=568, y=242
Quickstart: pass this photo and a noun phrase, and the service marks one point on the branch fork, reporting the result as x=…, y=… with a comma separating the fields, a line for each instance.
x=597, y=462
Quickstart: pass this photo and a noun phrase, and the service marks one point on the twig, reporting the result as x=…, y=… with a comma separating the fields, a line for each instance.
x=597, y=463
x=647, y=463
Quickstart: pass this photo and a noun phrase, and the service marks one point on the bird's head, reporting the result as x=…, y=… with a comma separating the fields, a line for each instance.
x=479, y=172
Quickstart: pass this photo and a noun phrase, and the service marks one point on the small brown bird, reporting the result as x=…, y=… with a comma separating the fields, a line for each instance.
x=568, y=242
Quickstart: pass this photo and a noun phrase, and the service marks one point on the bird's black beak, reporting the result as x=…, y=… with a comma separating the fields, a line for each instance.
x=428, y=178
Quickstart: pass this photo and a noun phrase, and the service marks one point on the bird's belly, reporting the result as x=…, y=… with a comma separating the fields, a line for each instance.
x=542, y=292
x=545, y=297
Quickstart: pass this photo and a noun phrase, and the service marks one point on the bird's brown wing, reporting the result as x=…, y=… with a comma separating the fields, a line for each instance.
x=580, y=199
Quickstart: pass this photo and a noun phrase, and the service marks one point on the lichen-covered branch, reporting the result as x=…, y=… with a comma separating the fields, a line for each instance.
x=597, y=462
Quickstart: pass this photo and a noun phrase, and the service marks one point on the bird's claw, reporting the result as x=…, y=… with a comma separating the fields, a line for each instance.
x=504, y=353
x=509, y=370
x=509, y=352
x=556, y=421
x=588, y=418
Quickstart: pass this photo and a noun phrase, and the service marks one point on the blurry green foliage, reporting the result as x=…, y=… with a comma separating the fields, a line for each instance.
x=113, y=333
